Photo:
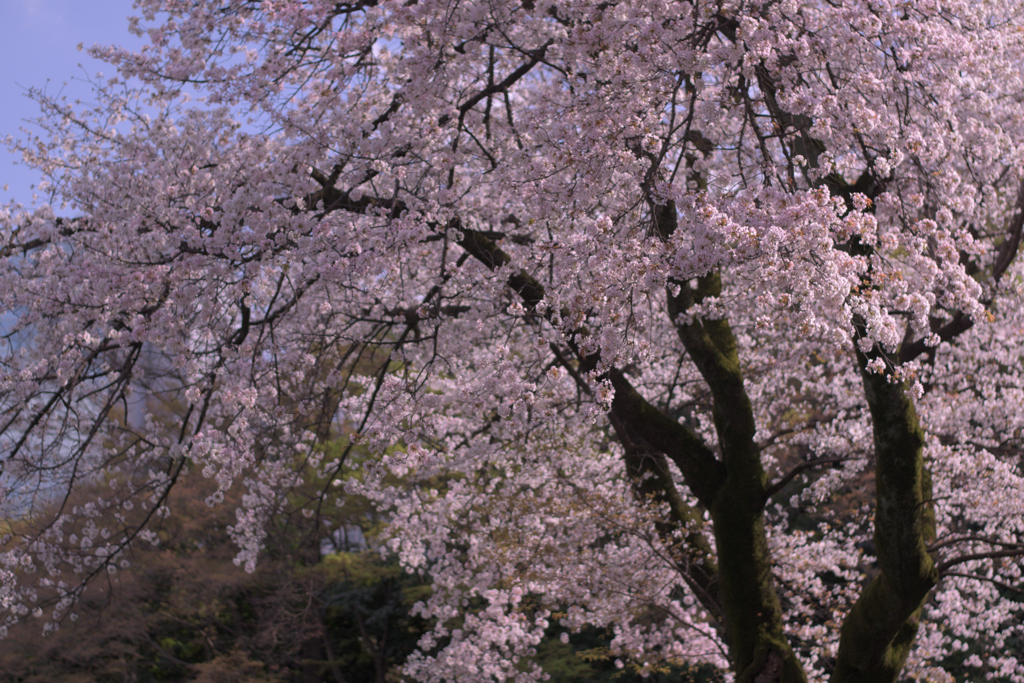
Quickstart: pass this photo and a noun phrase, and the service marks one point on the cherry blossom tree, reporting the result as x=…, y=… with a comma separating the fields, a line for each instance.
x=700, y=322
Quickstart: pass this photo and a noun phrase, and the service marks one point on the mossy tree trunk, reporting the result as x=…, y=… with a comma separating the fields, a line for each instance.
x=880, y=629
x=752, y=612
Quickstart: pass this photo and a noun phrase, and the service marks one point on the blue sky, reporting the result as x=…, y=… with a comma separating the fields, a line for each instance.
x=38, y=42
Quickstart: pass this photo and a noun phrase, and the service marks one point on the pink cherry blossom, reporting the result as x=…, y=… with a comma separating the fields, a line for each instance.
x=698, y=322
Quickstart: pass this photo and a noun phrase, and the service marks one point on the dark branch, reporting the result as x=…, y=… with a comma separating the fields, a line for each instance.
x=800, y=469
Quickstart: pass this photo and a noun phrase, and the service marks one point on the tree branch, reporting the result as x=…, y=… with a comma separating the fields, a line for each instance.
x=799, y=469
x=995, y=554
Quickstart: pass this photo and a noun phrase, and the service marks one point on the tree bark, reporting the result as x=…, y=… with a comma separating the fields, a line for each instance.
x=880, y=629
x=752, y=612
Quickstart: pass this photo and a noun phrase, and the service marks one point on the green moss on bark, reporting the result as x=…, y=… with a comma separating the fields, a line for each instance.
x=879, y=631
x=753, y=615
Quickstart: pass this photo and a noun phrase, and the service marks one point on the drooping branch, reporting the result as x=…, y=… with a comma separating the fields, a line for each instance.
x=961, y=322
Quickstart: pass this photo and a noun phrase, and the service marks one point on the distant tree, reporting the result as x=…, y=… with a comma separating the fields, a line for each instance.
x=168, y=612
x=180, y=610
x=632, y=297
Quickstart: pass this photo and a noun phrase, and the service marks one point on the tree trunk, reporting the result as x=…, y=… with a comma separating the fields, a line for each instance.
x=879, y=631
x=753, y=615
